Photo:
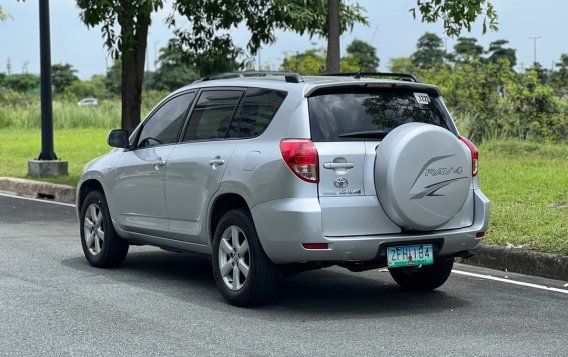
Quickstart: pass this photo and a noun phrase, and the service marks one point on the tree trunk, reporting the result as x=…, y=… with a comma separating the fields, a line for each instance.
x=133, y=61
x=332, y=63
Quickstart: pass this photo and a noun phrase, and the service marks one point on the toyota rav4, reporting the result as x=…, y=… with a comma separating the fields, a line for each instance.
x=274, y=172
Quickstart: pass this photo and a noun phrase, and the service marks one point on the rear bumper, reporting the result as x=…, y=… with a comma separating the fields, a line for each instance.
x=283, y=225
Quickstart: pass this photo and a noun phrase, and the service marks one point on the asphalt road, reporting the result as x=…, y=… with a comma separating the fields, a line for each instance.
x=161, y=303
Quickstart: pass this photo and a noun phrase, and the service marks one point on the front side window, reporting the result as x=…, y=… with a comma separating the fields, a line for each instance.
x=212, y=115
x=165, y=124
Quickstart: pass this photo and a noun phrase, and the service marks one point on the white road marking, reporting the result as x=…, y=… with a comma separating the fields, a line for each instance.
x=37, y=200
x=509, y=281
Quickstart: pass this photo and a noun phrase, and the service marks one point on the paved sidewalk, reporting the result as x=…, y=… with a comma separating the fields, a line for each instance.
x=522, y=261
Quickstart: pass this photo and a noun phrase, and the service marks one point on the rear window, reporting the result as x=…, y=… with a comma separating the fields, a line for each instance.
x=359, y=114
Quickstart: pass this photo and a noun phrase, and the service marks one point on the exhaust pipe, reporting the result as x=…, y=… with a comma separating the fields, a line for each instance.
x=466, y=254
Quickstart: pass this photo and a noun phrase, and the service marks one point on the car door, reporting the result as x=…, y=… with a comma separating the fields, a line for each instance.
x=138, y=189
x=196, y=166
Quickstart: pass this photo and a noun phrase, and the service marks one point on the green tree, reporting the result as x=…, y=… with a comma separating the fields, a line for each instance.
x=365, y=54
x=559, y=78
x=23, y=83
x=466, y=50
x=221, y=57
x=113, y=78
x=62, y=76
x=542, y=73
x=401, y=65
x=173, y=72
x=311, y=62
x=2, y=80
x=133, y=18
x=491, y=101
x=429, y=52
x=349, y=64
x=209, y=22
x=3, y=15
x=497, y=52
x=95, y=87
x=457, y=14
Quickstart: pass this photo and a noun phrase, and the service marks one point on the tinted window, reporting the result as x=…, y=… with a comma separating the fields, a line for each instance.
x=258, y=109
x=339, y=116
x=165, y=124
x=212, y=115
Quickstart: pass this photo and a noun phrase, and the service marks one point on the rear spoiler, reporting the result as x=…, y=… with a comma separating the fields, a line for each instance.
x=370, y=83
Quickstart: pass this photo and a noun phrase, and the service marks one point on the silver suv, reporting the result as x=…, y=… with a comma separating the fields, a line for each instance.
x=278, y=173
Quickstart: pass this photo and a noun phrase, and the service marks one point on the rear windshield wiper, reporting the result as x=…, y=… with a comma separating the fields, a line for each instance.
x=373, y=134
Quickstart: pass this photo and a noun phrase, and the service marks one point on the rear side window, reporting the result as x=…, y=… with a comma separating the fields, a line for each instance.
x=212, y=114
x=360, y=114
x=258, y=109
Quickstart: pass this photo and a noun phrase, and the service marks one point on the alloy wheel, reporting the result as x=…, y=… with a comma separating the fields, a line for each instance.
x=94, y=229
x=234, y=257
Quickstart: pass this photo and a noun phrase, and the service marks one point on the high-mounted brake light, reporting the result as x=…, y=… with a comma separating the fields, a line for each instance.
x=474, y=155
x=301, y=156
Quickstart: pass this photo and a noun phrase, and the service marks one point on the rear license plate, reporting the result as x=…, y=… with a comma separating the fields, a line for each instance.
x=410, y=255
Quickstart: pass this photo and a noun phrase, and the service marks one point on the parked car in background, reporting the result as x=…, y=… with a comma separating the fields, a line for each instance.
x=271, y=174
x=87, y=102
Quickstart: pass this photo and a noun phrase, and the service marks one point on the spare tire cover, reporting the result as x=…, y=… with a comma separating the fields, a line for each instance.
x=422, y=175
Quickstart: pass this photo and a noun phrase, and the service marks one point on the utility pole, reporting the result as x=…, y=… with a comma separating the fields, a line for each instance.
x=47, y=163
x=8, y=66
x=534, y=48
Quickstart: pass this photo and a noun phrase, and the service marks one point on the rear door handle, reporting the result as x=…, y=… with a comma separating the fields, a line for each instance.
x=338, y=165
x=216, y=162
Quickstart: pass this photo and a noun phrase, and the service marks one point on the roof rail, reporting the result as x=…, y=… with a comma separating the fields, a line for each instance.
x=290, y=77
x=402, y=76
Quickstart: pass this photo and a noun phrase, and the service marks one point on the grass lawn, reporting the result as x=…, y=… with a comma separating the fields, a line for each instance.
x=77, y=146
x=523, y=181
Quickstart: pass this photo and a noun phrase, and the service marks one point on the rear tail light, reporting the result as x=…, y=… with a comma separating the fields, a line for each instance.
x=301, y=156
x=479, y=234
x=474, y=155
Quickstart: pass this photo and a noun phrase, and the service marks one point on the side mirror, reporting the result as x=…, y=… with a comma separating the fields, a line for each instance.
x=118, y=138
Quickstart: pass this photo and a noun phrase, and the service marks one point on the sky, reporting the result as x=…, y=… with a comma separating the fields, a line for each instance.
x=392, y=30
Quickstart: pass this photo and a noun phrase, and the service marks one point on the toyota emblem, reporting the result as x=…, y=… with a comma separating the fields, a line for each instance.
x=340, y=182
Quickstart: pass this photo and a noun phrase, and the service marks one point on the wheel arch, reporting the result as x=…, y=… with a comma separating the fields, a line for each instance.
x=88, y=186
x=221, y=205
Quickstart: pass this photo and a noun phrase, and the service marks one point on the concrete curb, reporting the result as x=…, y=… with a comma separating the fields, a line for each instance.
x=38, y=189
x=519, y=260
x=488, y=256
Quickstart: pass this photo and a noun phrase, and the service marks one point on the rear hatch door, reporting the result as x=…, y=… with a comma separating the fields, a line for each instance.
x=347, y=125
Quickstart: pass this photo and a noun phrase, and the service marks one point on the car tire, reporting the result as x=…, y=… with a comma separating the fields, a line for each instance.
x=102, y=246
x=244, y=274
x=424, y=277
